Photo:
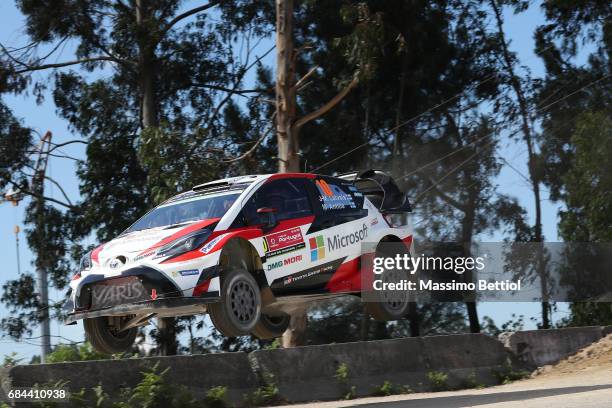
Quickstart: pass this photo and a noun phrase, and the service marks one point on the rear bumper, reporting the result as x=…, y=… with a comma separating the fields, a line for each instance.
x=179, y=306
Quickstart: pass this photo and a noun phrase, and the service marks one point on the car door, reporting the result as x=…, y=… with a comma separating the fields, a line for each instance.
x=288, y=201
x=335, y=236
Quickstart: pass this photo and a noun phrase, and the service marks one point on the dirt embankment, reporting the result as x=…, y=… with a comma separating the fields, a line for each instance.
x=597, y=356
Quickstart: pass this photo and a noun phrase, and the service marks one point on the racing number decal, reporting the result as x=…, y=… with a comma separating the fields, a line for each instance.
x=324, y=188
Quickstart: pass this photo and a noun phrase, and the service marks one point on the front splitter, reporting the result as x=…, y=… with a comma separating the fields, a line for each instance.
x=160, y=307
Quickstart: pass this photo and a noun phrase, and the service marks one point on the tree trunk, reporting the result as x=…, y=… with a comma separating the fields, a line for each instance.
x=287, y=137
x=288, y=159
x=295, y=335
x=534, y=177
x=397, y=151
x=413, y=318
x=147, y=68
x=467, y=234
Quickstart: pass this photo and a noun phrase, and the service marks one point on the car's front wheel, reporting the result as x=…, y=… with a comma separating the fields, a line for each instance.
x=106, y=338
x=239, y=309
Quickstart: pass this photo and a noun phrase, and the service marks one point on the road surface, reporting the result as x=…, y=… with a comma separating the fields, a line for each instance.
x=588, y=388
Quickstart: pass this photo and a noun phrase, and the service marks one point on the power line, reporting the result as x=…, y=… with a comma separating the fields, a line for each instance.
x=431, y=109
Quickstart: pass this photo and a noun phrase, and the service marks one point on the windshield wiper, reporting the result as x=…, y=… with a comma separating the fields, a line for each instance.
x=180, y=224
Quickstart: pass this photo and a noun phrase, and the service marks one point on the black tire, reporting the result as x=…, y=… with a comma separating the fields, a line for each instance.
x=105, y=339
x=239, y=309
x=393, y=305
x=271, y=327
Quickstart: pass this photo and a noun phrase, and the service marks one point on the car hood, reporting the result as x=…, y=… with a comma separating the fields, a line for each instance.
x=132, y=244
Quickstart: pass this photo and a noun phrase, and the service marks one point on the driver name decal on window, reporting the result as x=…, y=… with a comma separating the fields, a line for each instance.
x=284, y=241
x=333, y=197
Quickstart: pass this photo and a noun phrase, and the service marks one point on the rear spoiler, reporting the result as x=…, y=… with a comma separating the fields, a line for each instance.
x=378, y=183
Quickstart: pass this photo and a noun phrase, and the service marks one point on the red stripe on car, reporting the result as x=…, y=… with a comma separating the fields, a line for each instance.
x=346, y=278
x=197, y=253
x=201, y=288
x=279, y=176
x=96, y=253
x=181, y=233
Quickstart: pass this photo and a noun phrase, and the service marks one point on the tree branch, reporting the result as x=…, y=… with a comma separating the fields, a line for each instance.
x=225, y=89
x=186, y=14
x=60, y=188
x=327, y=107
x=64, y=64
x=305, y=77
x=58, y=145
x=45, y=198
x=252, y=149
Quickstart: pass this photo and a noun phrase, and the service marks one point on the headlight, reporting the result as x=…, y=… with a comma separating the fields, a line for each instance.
x=85, y=263
x=184, y=244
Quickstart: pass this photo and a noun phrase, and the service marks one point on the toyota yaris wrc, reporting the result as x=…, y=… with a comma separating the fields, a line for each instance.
x=247, y=250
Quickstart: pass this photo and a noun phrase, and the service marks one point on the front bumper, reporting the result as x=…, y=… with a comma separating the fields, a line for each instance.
x=170, y=300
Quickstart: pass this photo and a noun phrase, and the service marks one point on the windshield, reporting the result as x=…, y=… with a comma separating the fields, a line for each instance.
x=184, y=211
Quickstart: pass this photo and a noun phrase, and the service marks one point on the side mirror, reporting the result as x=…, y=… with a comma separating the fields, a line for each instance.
x=267, y=215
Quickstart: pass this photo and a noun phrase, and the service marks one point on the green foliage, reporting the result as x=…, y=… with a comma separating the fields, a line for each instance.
x=216, y=397
x=155, y=392
x=342, y=373
x=15, y=140
x=342, y=376
x=588, y=182
x=11, y=360
x=385, y=389
x=388, y=388
x=471, y=382
x=73, y=352
x=266, y=395
x=508, y=374
x=516, y=323
x=276, y=344
x=438, y=381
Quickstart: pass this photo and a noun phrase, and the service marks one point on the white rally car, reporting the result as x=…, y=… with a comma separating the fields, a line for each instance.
x=247, y=250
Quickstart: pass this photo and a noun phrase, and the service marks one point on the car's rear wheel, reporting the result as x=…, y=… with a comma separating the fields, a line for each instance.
x=105, y=337
x=239, y=309
x=391, y=304
x=271, y=327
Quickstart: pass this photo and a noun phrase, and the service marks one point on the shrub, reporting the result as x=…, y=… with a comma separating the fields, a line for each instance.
x=342, y=375
x=438, y=380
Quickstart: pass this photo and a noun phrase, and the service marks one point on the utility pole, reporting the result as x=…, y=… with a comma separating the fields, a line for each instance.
x=38, y=187
x=16, y=230
x=36, y=190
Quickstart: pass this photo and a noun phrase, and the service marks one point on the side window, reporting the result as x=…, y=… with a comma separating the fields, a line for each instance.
x=338, y=195
x=288, y=197
x=339, y=201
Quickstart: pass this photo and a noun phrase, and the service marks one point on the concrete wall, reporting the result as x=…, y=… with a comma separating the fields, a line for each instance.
x=301, y=374
x=198, y=373
x=541, y=347
x=307, y=373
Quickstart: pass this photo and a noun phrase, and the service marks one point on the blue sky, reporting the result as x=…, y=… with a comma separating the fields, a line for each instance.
x=43, y=117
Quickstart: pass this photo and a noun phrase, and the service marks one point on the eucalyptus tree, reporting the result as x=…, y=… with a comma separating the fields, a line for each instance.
x=144, y=85
x=576, y=47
